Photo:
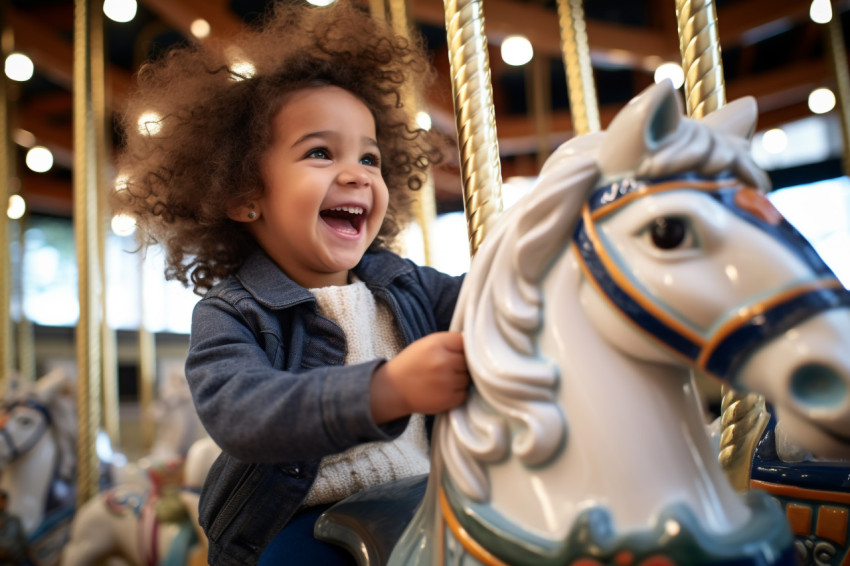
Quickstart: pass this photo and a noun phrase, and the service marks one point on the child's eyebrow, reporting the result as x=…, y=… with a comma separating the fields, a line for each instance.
x=328, y=133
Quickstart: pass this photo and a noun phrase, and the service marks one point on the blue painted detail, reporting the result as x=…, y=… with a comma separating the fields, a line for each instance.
x=784, y=233
x=731, y=353
x=629, y=307
x=815, y=385
x=610, y=193
x=815, y=475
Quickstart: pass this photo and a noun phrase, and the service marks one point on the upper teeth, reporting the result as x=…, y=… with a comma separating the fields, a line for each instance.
x=350, y=209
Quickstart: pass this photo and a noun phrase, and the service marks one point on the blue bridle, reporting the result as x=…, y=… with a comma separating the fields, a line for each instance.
x=725, y=350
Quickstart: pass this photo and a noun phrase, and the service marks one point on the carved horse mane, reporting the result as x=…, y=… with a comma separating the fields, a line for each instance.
x=507, y=371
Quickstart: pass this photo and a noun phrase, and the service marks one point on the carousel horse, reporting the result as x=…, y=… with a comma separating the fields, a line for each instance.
x=146, y=524
x=38, y=433
x=643, y=253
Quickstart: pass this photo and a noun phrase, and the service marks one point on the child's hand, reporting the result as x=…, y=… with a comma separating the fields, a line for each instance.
x=429, y=376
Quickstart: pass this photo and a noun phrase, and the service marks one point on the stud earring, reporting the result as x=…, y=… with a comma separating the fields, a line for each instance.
x=252, y=215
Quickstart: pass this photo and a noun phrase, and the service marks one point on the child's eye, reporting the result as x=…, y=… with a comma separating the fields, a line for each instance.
x=319, y=153
x=371, y=160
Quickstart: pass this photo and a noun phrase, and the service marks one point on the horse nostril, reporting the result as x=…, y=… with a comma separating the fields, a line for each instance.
x=818, y=386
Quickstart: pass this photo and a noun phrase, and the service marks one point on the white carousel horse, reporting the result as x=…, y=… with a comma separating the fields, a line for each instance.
x=127, y=520
x=177, y=423
x=643, y=253
x=38, y=433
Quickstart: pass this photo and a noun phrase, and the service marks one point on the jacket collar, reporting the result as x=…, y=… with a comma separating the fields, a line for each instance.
x=272, y=288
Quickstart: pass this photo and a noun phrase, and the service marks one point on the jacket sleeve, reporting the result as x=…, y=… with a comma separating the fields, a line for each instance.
x=261, y=414
x=443, y=291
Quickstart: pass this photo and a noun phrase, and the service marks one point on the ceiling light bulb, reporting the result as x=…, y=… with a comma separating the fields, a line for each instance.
x=820, y=11
x=17, y=207
x=121, y=11
x=821, y=100
x=123, y=224
x=200, y=28
x=517, y=50
x=423, y=120
x=39, y=159
x=672, y=71
x=19, y=67
x=774, y=141
x=150, y=123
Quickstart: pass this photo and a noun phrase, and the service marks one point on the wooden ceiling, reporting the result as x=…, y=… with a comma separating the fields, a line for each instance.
x=771, y=50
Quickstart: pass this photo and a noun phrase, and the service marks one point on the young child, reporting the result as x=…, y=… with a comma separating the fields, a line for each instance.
x=277, y=190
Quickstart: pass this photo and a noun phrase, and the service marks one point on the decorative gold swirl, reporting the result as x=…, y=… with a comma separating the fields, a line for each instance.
x=481, y=170
x=742, y=421
x=705, y=90
x=576, y=53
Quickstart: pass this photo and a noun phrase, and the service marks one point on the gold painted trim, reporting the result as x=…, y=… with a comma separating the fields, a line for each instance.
x=470, y=544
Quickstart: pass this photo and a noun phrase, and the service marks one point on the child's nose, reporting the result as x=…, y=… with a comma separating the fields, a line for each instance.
x=354, y=175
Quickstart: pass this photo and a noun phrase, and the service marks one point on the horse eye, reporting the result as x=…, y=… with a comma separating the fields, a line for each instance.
x=668, y=232
x=25, y=421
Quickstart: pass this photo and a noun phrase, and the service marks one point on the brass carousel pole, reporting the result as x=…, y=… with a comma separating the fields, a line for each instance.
x=480, y=167
x=87, y=24
x=5, y=243
x=109, y=356
x=425, y=207
x=378, y=9
x=538, y=89
x=743, y=415
x=584, y=108
x=838, y=59
x=147, y=366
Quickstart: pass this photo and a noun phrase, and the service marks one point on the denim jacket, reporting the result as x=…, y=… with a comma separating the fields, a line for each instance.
x=268, y=381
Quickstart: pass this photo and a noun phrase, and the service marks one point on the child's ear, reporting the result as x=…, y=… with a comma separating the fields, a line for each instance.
x=243, y=213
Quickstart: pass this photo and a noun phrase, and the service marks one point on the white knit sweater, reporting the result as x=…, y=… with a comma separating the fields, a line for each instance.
x=370, y=333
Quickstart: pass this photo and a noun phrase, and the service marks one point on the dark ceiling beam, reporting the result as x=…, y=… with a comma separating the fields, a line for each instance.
x=180, y=14
x=54, y=57
x=46, y=194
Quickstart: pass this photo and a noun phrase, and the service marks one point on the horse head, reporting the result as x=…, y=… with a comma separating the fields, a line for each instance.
x=38, y=445
x=643, y=254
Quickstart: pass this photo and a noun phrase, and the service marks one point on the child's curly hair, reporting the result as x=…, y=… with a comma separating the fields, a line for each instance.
x=198, y=156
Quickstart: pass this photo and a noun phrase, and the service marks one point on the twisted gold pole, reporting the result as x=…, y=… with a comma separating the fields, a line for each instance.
x=481, y=170
x=425, y=208
x=88, y=51
x=576, y=52
x=838, y=58
x=704, y=85
x=5, y=243
x=742, y=421
x=378, y=9
x=743, y=415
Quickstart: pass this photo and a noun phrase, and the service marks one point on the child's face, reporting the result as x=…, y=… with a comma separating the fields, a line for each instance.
x=324, y=199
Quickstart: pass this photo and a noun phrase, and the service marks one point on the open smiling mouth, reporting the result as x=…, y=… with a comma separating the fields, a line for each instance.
x=344, y=219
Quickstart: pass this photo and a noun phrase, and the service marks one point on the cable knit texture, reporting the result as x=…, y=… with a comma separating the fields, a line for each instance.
x=370, y=333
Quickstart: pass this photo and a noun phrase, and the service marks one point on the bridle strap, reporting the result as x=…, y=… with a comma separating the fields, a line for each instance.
x=33, y=439
x=721, y=353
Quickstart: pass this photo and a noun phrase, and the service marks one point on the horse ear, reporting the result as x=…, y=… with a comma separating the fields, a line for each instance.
x=738, y=117
x=640, y=128
x=52, y=384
